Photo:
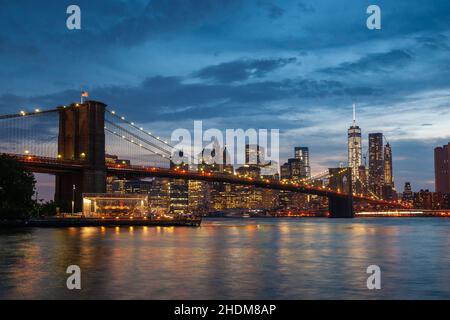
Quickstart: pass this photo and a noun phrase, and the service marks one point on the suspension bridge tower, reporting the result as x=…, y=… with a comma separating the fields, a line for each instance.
x=341, y=180
x=81, y=138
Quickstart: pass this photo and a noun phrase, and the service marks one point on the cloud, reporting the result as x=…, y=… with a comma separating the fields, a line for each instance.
x=241, y=70
x=305, y=7
x=375, y=62
x=171, y=98
x=273, y=11
x=434, y=41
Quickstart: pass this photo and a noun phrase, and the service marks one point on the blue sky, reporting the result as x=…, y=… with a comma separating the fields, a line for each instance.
x=293, y=65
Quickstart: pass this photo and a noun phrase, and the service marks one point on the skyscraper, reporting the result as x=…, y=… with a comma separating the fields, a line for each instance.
x=408, y=194
x=302, y=154
x=442, y=168
x=388, y=173
x=354, y=147
x=376, y=163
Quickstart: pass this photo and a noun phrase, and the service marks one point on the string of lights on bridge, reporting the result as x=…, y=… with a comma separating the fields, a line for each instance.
x=140, y=145
x=141, y=129
x=123, y=119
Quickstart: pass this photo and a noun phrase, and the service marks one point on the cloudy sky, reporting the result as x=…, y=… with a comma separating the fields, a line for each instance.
x=295, y=65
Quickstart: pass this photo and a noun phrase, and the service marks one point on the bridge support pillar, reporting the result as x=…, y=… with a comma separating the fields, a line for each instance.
x=81, y=138
x=341, y=207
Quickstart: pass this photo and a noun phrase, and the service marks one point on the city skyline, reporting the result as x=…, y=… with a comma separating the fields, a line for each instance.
x=289, y=70
x=225, y=158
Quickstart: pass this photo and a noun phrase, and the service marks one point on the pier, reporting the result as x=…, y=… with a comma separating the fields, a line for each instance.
x=61, y=222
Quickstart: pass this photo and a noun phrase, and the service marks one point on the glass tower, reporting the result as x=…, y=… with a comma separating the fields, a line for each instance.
x=354, y=147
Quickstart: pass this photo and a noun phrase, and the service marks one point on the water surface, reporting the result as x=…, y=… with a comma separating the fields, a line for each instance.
x=309, y=258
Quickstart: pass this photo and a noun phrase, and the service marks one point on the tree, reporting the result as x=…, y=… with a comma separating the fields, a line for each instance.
x=17, y=187
x=47, y=209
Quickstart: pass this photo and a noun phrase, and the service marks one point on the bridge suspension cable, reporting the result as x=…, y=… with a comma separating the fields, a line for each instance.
x=30, y=133
x=136, y=144
x=163, y=146
x=141, y=129
x=161, y=151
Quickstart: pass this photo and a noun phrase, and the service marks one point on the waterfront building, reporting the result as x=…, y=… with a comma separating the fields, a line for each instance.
x=198, y=196
x=159, y=196
x=179, y=191
x=97, y=205
x=442, y=168
x=424, y=199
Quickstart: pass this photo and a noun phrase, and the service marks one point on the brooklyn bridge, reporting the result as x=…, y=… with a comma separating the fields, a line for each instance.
x=72, y=142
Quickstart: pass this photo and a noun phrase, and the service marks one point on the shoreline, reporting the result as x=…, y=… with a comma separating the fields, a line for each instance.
x=94, y=222
x=187, y=222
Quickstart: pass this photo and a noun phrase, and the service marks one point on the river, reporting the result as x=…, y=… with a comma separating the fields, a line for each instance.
x=284, y=258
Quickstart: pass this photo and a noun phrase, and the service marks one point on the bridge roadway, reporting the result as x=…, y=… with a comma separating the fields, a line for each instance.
x=53, y=165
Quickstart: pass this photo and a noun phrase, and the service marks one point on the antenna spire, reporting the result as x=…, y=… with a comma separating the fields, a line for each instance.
x=354, y=114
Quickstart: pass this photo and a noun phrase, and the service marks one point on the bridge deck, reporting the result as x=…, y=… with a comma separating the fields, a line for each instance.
x=46, y=164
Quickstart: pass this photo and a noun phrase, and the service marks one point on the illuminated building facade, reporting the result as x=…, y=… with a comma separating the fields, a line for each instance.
x=388, y=176
x=302, y=154
x=376, y=163
x=354, y=146
x=424, y=199
x=114, y=205
x=179, y=191
x=159, y=196
x=388, y=191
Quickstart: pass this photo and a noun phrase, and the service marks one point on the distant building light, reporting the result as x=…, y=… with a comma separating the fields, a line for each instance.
x=37, y=110
x=22, y=113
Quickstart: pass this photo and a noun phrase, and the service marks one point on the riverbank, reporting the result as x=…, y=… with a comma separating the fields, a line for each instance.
x=94, y=222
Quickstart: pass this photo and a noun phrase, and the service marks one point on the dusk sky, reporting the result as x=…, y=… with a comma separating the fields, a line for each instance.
x=293, y=65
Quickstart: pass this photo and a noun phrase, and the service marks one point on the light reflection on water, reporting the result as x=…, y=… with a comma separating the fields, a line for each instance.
x=232, y=259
